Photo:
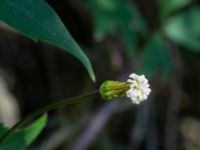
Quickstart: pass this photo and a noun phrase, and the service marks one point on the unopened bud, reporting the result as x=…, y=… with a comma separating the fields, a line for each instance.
x=113, y=89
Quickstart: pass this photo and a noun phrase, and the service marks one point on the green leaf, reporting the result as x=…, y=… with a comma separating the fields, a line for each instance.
x=185, y=29
x=117, y=16
x=169, y=6
x=130, y=39
x=155, y=59
x=37, y=20
x=22, y=138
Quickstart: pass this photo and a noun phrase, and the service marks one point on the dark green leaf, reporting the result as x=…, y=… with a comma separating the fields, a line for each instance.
x=169, y=6
x=37, y=20
x=185, y=29
x=155, y=59
x=21, y=139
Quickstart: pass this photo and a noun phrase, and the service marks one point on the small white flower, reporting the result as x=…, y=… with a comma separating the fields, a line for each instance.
x=139, y=88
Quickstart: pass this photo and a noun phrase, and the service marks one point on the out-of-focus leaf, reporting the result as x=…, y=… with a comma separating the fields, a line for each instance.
x=185, y=29
x=113, y=16
x=37, y=20
x=130, y=39
x=21, y=139
x=155, y=59
x=169, y=6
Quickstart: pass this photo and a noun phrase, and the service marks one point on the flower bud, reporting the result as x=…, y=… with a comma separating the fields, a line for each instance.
x=113, y=89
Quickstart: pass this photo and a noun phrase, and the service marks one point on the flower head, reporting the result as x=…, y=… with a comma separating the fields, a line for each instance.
x=139, y=88
x=136, y=88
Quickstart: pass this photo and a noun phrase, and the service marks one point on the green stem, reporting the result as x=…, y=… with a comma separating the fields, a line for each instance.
x=46, y=108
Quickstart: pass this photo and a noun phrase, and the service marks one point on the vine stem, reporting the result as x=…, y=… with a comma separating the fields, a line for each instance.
x=47, y=108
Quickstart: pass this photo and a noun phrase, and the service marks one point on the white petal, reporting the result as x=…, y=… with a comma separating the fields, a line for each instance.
x=139, y=88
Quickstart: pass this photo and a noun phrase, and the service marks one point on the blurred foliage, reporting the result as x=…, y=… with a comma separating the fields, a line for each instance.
x=125, y=18
x=22, y=138
x=184, y=28
x=155, y=58
x=169, y=6
x=117, y=16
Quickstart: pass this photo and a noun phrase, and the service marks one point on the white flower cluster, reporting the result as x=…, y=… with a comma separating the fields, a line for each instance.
x=139, y=88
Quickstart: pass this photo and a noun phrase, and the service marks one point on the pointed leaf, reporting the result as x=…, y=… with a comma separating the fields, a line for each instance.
x=37, y=20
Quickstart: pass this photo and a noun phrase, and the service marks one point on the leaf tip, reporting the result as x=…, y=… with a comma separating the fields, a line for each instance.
x=93, y=78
